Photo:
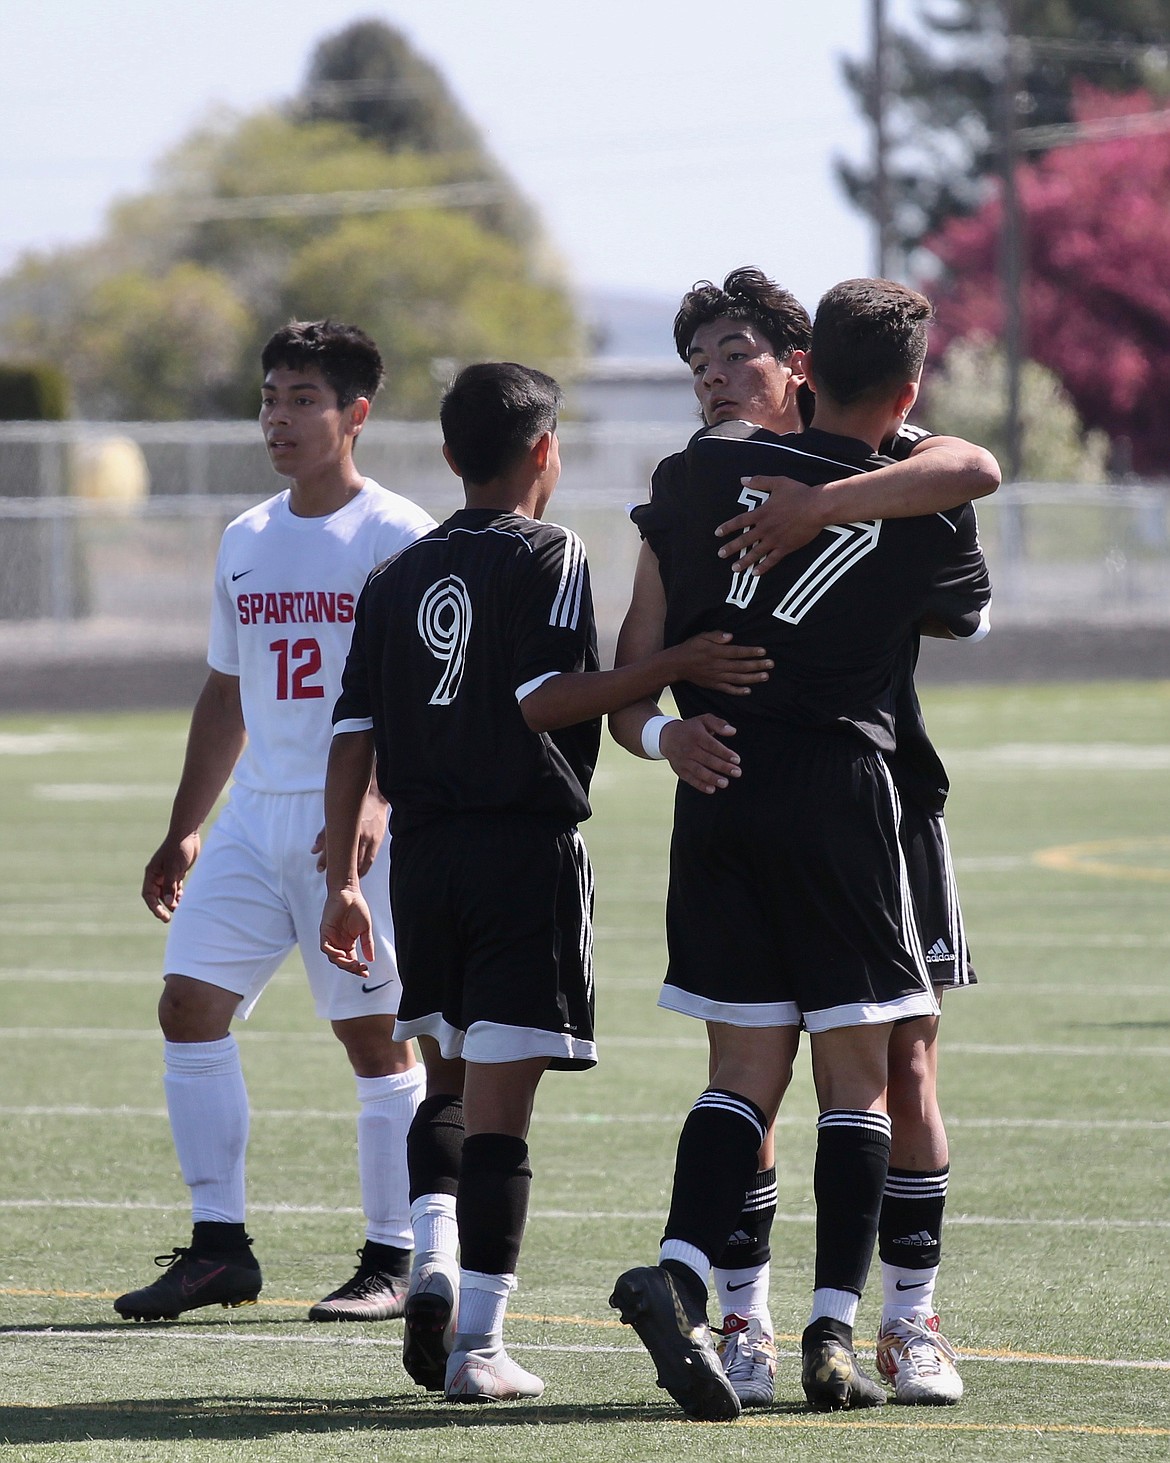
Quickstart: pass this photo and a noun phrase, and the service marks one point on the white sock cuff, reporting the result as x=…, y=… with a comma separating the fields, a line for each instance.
x=393, y=1084
x=677, y=1249
x=835, y=1305
x=201, y=1058
x=441, y=1204
x=480, y=1280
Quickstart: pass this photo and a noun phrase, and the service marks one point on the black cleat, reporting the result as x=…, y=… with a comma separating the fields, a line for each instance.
x=829, y=1373
x=193, y=1279
x=370, y=1295
x=673, y=1328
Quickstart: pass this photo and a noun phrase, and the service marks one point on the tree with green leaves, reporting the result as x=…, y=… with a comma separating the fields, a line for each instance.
x=967, y=396
x=944, y=88
x=340, y=204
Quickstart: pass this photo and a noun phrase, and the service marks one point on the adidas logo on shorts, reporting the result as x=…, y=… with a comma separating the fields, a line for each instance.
x=940, y=950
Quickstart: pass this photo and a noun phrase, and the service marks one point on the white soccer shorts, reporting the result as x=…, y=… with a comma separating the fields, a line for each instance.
x=255, y=894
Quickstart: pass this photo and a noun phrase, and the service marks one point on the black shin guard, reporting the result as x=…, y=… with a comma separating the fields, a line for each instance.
x=492, y=1205
x=434, y=1146
x=718, y=1151
x=853, y=1154
x=749, y=1246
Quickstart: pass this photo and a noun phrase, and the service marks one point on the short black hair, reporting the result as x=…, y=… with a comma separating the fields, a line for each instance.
x=746, y=294
x=493, y=412
x=346, y=357
x=869, y=336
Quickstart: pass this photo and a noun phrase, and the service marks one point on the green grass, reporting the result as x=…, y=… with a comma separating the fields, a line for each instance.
x=1056, y=1082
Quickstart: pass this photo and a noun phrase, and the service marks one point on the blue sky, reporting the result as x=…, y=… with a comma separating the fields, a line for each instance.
x=657, y=149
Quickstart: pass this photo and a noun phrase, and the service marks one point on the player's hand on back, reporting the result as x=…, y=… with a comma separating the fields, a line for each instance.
x=162, y=880
x=788, y=516
x=713, y=660
x=697, y=755
x=346, y=931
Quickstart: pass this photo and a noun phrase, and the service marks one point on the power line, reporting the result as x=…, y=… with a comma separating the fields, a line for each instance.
x=1103, y=129
x=323, y=205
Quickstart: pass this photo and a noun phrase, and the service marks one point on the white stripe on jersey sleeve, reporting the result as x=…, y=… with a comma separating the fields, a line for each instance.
x=529, y=686
x=567, y=604
x=354, y=724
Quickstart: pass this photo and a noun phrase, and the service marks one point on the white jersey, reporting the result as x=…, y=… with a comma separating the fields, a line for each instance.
x=282, y=618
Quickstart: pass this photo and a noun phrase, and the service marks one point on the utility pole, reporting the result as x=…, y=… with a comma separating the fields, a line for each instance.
x=881, y=181
x=1011, y=237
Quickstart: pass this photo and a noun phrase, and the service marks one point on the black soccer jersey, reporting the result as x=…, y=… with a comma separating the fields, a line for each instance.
x=448, y=637
x=837, y=616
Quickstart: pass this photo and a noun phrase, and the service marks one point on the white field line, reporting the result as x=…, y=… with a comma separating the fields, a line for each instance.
x=590, y=1119
x=577, y=1216
x=135, y=1335
x=664, y=1043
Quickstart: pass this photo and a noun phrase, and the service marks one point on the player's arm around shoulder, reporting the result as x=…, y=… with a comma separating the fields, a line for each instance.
x=214, y=742
x=938, y=474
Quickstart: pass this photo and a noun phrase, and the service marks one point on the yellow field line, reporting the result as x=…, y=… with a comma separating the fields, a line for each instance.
x=1085, y=858
x=878, y=1423
x=598, y=1323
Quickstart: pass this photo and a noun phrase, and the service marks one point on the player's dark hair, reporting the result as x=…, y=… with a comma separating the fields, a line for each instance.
x=746, y=294
x=869, y=336
x=346, y=357
x=493, y=412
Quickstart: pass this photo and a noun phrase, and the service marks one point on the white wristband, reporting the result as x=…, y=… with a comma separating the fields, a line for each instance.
x=652, y=737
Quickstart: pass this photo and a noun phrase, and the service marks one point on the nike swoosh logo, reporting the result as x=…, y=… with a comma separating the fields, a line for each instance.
x=918, y=1285
x=240, y=575
x=189, y=1287
x=378, y=987
x=743, y=1284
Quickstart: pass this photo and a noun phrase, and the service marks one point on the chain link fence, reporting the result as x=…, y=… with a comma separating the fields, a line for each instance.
x=108, y=532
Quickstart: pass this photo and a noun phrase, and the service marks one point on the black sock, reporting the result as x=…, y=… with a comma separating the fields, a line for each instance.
x=749, y=1246
x=910, y=1229
x=385, y=1259
x=853, y=1154
x=492, y=1204
x=209, y=1237
x=434, y=1146
x=718, y=1150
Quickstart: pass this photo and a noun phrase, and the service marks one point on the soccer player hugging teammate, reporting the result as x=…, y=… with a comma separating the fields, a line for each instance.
x=795, y=865
x=473, y=677
x=286, y=582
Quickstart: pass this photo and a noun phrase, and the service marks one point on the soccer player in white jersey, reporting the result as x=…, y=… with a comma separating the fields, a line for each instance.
x=287, y=580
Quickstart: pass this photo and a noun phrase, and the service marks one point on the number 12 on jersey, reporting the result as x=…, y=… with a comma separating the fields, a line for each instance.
x=295, y=667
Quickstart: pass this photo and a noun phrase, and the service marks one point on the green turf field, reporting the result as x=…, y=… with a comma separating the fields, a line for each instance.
x=1056, y=1081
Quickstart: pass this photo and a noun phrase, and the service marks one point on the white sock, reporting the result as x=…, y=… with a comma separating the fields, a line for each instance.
x=388, y=1106
x=208, y=1106
x=907, y=1293
x=745, y=1292
x=834, y=1305
x=432, y=1218
x=483, y=1300
x=677, y=1249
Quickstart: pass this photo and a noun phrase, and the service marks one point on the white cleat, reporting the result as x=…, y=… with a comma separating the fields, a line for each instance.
x=748, y=1353
x=430, y=1311
x=919, y=1362
x=488, y=1376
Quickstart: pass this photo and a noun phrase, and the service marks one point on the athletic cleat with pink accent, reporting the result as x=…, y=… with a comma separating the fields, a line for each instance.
x=919, y=1362
x=489, y=1376
x=748, y=1353
x=431, y=1310
x=193, y=1279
